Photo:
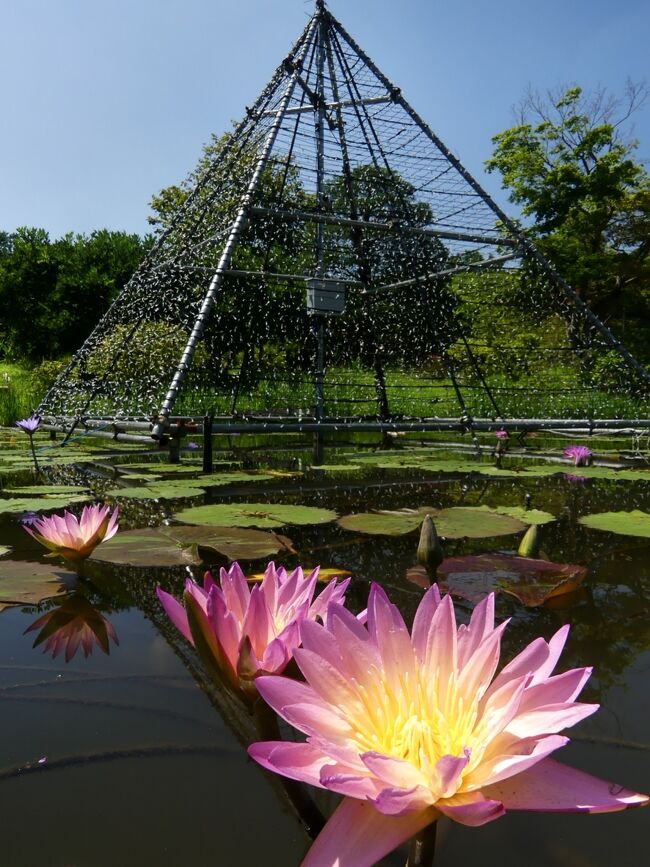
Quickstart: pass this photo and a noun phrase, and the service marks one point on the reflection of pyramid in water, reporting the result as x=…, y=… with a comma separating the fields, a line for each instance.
x=333, y=264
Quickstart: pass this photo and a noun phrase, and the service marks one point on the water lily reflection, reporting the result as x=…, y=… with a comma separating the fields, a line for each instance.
x=75, y=623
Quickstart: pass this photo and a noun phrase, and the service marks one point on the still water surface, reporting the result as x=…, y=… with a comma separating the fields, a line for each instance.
x=141, y=769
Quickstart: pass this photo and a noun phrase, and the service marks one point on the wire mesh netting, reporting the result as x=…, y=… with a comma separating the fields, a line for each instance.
x=331, y=259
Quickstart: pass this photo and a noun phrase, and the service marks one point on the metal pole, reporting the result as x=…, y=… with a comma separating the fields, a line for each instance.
x=208, y=421
x=237, y=228
x=514, y=229
x=318, y=324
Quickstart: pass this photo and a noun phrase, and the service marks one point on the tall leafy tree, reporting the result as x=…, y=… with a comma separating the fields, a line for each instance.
x=570, y=163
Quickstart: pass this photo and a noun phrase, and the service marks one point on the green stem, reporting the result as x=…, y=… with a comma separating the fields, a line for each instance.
x=31, y=443
x=423, y=847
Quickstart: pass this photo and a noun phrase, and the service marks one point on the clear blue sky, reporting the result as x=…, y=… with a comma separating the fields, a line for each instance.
x=106, y=101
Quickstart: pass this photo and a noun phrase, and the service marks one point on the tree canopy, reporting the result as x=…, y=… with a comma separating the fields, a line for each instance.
x=570, y=163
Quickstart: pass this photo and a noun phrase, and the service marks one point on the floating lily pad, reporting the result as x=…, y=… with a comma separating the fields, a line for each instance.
x=25, y=583
x=4, y=550
x=255, y=515
x=475, y=522
x=531, y=581
x=46, y=490
x=161, y=491
x=634, y=523
x=181, y=545
x=18, y=505
x=528, y=516
x=384, y=523
x=140, y=477
x=335, y=468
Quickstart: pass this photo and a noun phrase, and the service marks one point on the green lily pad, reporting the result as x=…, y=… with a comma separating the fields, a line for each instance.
x=161, y=491
x=634, y=523
x=182, y=545
x=335, y=468
x=255, y=515
x=475, y=522
x=4, y=550
x=25, y=583
x=384, y=523
x=528, y=516
x=140, y=477
x=46, y=490
x=18, y=505
x=628, y=475
x=531, y=581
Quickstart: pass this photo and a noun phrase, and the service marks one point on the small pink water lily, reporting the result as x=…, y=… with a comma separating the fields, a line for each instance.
x=74, y=538
x=30, y=425
x=581, y=455
x=409, y=727
x=247, y=632
x=502, y=435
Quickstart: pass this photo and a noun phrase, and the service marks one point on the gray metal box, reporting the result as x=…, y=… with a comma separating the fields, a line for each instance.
x=325, y=297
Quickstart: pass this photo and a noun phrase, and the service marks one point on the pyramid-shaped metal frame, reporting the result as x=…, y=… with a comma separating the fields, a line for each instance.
x=327, y=113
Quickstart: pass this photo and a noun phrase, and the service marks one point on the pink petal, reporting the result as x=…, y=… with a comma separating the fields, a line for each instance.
x=298, y=761
x=557, y=788
x=326, y=680
x=560, y=688
x=357, y=835
x=316, y=720
x=176, y=613
x=449, y=769
x=549, y=719
x=441, y=648
x=479, y=669
x=397, y=802
x=235, y=590
x=513, y=759
x=319, y=640
x=471, y=809
x=480, y=625
x=341, y=779
x=392, y=771
x=279, y=692
x=422, y=620
x=276, y=656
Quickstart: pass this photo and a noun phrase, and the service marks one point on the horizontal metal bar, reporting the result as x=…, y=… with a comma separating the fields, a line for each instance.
x=448, y=272
x=330, y=219
x=486, y=425
x=272, y=275
x=341, y=103
x=105, y=434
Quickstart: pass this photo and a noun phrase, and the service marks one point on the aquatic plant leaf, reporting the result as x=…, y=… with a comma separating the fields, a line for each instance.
x=160, y=491
x=45, y=490
x=634, y=523
x=4, y=550
x=473, y=522
x=255, y=515
x=383, y=523
x=335, y=468
x=139, y=477
x=528, y=516
x=185, y=546
x=18, y=505
x=531, y=581
x=26, y=583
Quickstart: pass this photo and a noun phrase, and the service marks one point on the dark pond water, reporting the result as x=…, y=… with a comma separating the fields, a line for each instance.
x=134, y=759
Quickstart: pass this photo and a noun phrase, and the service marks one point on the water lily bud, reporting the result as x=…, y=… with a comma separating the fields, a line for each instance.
x=430, y=553
x=529, y=545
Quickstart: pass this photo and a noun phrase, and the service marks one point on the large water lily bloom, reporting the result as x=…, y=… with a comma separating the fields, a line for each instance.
x=581, y=455
x=409, y=727
x=74, y=538
x=242, y=632
x=73, y=624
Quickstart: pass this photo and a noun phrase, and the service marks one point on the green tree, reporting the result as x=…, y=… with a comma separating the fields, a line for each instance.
x=52, y=293
x=570, y=163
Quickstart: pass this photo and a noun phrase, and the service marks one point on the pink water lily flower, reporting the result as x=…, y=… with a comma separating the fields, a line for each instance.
x=409, y=727
x=581, y=455
x=502, y=435
x=247, y=632
x=74, y=538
